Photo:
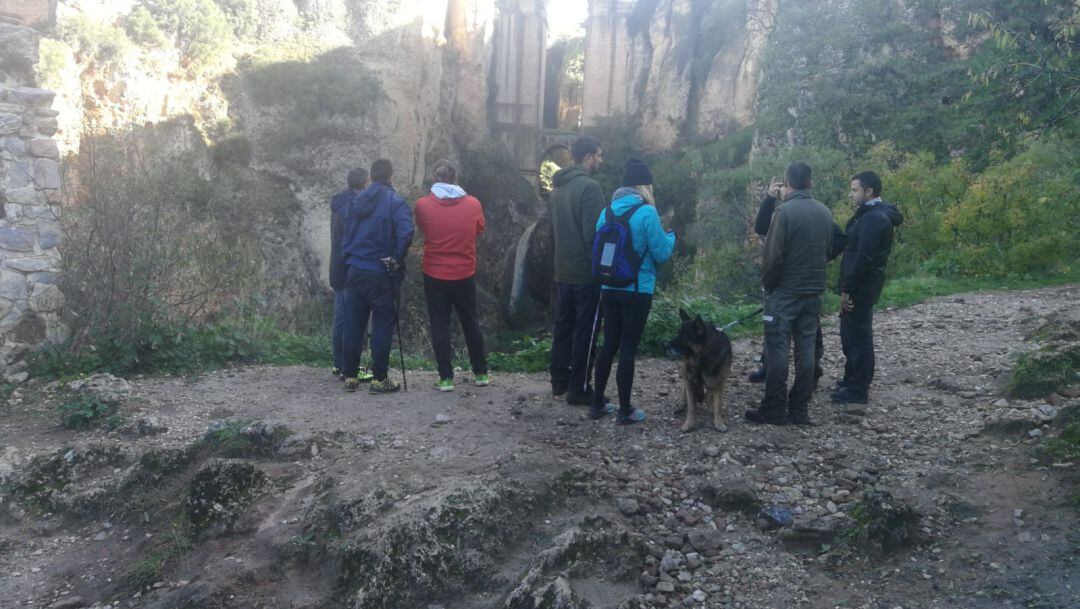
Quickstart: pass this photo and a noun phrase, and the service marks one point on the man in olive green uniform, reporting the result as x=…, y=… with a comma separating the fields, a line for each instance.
x=793, y=275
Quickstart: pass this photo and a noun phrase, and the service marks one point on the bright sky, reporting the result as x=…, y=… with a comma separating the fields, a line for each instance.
x=566, y=18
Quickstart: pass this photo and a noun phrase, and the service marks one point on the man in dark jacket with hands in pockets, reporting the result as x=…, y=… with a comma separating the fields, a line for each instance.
x=869, y=242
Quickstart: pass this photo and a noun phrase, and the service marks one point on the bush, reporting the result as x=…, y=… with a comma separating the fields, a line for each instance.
x=143, y=29
x=1040, y=373
x=85, y=411
x=203, y=32
x=100, y=41
x=525, y=355
x=54, y=56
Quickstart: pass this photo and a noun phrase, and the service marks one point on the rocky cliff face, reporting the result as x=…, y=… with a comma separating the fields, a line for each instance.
x=301, y=93
x=681, y=68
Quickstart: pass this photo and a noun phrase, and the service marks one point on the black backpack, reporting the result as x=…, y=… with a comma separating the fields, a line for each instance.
x=614, y=261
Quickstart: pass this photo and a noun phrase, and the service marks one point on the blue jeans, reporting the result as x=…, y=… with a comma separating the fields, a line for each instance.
x=368, y=293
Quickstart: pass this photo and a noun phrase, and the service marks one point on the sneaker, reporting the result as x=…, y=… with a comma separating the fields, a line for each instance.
x=599, y=413
x=757, y=376
x=384, y=386
x=444, y=384
x=364, y=375
x=636, y=416
x=352, y=384
x=335, y=371
x=482, y=380
x=759, y=416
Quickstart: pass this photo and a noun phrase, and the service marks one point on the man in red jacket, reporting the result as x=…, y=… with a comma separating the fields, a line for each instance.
x=451, y=222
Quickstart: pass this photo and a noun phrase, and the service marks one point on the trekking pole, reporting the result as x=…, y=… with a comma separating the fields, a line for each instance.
x=732, y=324
x=397, y=324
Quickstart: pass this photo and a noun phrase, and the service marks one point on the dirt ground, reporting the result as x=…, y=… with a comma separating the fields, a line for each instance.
x=994, y=526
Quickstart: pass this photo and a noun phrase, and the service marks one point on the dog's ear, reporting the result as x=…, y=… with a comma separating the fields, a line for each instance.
x=683, y=315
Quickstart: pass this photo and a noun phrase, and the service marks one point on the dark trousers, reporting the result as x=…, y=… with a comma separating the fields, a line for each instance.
x=625, y=314
x=442, y=297
x=819, y=348
x=789, y=316
x=857, y=340
x=368, y=293
x=573, y=343
x=337, y=330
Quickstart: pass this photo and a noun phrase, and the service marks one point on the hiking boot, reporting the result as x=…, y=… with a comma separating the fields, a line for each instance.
x=351, y=385
x=757, y=376
x=482, y=380
x=384, y=386
x=574, y=398
x=760, y=416
x=444, y=384
x=364, y=375
x=335, y=371
x=847, y=395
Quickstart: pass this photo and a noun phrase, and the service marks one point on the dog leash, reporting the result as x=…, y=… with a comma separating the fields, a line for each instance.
x=732, y=324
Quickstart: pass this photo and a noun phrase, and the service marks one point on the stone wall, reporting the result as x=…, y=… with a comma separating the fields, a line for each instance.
x=30, y=231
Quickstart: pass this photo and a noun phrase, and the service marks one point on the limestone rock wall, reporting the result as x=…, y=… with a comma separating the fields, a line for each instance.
x=679, y=68
x=30, y=232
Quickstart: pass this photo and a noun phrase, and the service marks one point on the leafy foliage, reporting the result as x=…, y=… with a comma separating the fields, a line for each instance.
x=202, y=31
x=100, y=41
x=83, y=411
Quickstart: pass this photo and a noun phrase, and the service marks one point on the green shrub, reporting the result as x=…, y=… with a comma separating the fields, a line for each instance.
x=54, y=56
x=143, y=29
x=1039, y=373
x=100, y=41
x=1066, y=446
x=336, y=83
x=83, y=411
x=525, y=355
x=203, y=32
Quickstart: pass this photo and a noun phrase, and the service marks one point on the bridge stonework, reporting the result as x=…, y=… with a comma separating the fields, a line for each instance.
x=30, y=230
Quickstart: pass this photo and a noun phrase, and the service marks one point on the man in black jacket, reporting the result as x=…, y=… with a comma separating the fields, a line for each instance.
x=761, y=227
x=869, y=242
x=357, y=180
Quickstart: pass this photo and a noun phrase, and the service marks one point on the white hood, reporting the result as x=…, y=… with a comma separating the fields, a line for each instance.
x=447, y=191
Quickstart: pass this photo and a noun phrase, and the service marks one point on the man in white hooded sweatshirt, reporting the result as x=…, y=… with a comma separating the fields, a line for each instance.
x=451, y=222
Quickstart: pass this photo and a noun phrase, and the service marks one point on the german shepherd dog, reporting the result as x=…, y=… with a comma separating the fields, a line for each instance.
x=704, y=354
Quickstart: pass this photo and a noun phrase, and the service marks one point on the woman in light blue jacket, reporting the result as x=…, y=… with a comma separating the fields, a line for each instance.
x=627, y=309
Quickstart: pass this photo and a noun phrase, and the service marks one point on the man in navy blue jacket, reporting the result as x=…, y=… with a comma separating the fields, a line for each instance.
x=378, y=232
x=357, y=181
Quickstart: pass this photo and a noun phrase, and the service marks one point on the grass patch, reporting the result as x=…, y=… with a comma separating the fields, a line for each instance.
x=229, y=441
x=1039, y=373
x=83, y=411
x=1066, y=446
x=148, y=570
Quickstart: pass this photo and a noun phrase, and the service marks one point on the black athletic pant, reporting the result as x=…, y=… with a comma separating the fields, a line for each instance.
x=573, y=344
x=458, y=295
x=857, y=340
x=625, y=314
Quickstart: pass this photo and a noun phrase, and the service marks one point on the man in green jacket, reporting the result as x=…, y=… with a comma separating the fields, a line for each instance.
x=793, y=275
x=576, y=203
